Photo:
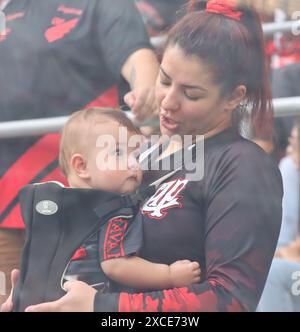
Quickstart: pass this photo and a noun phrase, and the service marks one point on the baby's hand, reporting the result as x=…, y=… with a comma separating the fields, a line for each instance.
x=184, y=273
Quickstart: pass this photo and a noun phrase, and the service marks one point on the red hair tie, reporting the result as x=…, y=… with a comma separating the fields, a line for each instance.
x=226, y=8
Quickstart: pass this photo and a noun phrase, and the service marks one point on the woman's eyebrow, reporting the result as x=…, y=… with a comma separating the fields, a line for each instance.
x=164, y=73
x=187, y=86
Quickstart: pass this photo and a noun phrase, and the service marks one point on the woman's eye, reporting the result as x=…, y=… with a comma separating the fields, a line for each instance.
x=193, y=98
x=166, y=83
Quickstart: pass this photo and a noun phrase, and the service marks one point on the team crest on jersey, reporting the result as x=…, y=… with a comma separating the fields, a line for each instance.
x=166, y=197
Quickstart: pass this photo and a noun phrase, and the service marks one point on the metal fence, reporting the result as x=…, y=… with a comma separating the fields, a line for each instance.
x=36, y=127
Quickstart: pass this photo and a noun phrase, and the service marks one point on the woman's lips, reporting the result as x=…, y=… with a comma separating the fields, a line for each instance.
x=169, y=123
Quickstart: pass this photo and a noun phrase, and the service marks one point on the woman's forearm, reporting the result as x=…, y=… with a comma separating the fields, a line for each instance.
x=204, y=297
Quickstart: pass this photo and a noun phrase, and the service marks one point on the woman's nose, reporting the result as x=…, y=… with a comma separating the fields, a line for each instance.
x=170, y=101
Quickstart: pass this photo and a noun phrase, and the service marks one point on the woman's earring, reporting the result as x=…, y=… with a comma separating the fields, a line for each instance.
x=244, y=119
x=242, y=108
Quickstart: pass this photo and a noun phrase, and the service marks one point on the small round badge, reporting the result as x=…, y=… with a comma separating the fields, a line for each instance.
x=46, y=207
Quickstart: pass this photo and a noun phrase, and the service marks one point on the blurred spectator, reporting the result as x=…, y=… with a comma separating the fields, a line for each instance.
x=58, y=57
x=277, y=295
x=285, y=83
x=159, y=15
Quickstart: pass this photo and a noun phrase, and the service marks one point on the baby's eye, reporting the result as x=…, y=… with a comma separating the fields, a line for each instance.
x=136, y=154
x=116, y=152
x=119, y=152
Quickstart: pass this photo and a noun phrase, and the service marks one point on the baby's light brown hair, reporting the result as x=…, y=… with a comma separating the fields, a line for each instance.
x=71, y=140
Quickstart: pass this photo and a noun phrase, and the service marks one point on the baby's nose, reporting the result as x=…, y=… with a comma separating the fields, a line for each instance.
x=133, y=163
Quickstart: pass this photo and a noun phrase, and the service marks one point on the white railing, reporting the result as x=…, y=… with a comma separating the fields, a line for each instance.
x=35, y=127
x=287, y=26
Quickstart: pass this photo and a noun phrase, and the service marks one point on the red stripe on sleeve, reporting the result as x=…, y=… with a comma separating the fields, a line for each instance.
x=107, y=99
x=27, y=167
x=14, y=218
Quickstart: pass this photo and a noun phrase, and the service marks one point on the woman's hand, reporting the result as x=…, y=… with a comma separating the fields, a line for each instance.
x=79, y=298
x=7, y=306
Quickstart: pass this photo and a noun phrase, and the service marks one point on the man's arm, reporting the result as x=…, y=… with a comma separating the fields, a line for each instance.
x=141, y=70
x=124, y=44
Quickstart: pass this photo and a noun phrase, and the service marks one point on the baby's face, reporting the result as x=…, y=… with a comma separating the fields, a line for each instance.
x=112, y=159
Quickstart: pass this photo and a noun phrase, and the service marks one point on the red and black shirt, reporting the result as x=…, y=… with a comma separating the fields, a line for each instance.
x=57, y=57
x=229, y=222
x=119, y=236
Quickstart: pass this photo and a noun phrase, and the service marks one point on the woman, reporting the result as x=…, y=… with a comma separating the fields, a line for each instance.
x=229, y=221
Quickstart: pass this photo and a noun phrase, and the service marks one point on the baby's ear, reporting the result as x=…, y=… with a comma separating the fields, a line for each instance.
x=79, y=166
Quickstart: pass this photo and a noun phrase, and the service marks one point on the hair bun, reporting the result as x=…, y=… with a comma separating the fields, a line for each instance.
x=196, y=5
x=227, y=8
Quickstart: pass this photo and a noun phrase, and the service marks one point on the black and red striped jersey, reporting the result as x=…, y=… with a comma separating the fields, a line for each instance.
x=57, y=57
x=228, y=221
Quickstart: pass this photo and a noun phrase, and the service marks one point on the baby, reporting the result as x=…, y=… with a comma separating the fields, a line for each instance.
x=89, y=163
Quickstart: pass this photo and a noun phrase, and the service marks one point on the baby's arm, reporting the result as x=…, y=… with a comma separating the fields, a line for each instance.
x=136, y=272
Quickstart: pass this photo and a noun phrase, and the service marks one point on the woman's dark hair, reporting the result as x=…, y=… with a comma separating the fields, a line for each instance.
x=234, y=50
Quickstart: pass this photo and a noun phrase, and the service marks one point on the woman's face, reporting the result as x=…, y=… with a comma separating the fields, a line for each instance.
x=189, y=100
